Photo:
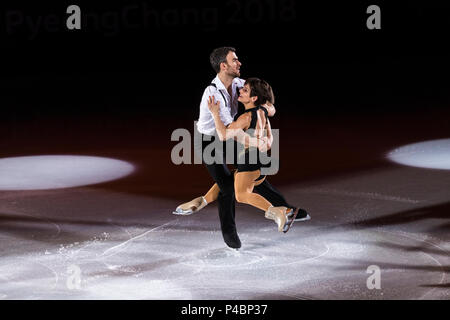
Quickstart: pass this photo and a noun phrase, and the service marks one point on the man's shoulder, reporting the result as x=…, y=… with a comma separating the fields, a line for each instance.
x=240, y=82
x=210, y=88
x=213, y=83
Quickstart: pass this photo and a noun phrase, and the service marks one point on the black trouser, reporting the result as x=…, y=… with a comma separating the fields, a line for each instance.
x=226, y=199
x=225, y=180
x=271, y=194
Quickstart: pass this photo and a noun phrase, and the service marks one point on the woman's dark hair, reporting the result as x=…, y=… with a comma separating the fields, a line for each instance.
x=218, y=56
x=260, y=89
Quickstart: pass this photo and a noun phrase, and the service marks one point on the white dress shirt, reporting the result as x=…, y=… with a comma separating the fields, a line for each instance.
x=228, y=107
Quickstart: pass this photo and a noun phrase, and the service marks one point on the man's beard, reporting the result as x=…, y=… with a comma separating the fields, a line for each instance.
x=234, y=74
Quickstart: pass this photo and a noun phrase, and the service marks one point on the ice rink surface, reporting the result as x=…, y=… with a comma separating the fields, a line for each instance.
x=120, y=240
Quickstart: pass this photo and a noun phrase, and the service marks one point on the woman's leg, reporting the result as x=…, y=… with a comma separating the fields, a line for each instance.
x=261, y=187
x=212, y=194
x=276, y=198
x=244, y=183
x=269, y=192
x=198, y=203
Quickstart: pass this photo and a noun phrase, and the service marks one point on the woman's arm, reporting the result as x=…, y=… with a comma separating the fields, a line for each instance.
x=234, y=129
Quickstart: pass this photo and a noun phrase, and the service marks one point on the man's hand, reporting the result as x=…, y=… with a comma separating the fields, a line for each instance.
x=263, y=144
x=270, y=108
x=213, y=106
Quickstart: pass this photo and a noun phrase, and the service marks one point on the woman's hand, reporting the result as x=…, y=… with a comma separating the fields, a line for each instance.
x=213, y=106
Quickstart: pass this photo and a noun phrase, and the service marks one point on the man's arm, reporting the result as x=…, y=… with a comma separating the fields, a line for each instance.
x=269, y=135
x=270, y=108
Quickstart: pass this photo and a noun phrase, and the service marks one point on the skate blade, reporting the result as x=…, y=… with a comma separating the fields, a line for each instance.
x=308, y=217
x=290, y=222
x=181, y=212
x=233, y=250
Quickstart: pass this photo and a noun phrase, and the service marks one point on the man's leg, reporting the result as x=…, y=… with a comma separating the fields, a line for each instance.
x=226, y=202
x=272, y=195
x=276, y=198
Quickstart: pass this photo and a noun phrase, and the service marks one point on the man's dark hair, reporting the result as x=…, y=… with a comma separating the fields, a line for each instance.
x=218, y=56
x=260, y=89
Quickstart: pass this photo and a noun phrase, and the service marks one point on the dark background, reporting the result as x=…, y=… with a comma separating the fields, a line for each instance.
x=320, y=58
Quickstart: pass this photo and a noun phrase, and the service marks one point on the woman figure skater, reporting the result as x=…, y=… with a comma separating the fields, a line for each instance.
x=254, y=120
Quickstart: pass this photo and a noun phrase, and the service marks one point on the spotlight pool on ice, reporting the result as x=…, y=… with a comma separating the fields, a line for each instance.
x=59, y=171
x=433, y=154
